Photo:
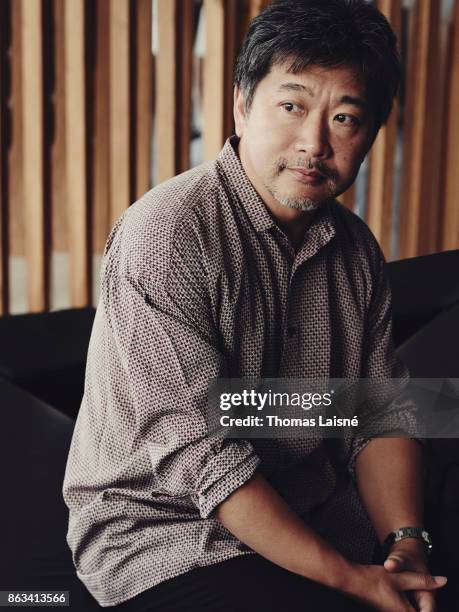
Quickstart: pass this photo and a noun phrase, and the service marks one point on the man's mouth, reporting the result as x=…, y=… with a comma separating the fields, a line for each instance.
x=310, y=177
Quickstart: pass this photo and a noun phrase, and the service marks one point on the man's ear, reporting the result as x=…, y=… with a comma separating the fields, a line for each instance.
x=239, y=111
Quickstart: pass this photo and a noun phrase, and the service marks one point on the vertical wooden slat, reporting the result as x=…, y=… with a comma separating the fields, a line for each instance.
x=446, y=57
x=417, y=195
x=165, y=112
x=230, y=53
x=100, y=150
x=144, y=96
x=59, y=236
x=382, y=157
x=407, y=142
x=223, y=23
x=120, y=115
x=243, y=17
x=450, y=233
x=214, y=84
x=433, y=225
x=184, y=30
x=4, y=93
x=75, y=150
x=256, y=6
x=15, y=171
x=33, y=147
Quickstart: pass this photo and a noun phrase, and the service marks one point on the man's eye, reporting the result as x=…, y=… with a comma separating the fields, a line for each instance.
x=347, y=120
x=290, y=107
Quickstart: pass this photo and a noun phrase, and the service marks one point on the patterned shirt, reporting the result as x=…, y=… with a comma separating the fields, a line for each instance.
x=199, y=282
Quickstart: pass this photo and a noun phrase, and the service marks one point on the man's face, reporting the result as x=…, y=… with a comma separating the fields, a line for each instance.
x=305, y=135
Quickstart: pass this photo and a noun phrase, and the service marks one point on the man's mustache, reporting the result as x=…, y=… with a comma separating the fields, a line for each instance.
x=308, y=164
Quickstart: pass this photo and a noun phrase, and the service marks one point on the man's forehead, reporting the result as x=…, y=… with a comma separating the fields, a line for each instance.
x=309, y=80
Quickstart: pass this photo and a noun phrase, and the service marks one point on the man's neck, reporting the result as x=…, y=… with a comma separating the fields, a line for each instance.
x=296, y=228
x=292, y=221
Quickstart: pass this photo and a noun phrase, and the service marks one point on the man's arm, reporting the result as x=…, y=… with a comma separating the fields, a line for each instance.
x=388, y=470
x=388, y=473
x=389, y=479
x=257, y=515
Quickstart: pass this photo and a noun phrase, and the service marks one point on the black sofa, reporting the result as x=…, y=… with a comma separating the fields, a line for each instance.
x=42, y=361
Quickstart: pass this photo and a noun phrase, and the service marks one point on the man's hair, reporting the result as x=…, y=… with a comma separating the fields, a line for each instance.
x=326, y=33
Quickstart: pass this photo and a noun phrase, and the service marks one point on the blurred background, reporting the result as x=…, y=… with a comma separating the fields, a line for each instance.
x=103, y=99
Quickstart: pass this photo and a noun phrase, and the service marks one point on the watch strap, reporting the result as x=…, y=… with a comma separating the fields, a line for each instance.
x=407, y=532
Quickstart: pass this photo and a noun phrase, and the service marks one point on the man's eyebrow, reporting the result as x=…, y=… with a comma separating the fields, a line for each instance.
x=358, y=102
x=296, y=87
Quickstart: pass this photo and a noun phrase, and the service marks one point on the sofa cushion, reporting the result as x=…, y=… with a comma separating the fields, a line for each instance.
x=34, y=443
x=45, y=354
x=422, y=287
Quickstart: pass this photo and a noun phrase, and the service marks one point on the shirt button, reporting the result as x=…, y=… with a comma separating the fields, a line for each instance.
x=291, y=331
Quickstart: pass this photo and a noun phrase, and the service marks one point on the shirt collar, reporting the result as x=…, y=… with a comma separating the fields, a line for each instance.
x=323, y=226
x=239, y=182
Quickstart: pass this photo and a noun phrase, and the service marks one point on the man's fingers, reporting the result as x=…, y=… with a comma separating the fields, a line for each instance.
x=414, y=581
x=425, y=601
x=394, y=562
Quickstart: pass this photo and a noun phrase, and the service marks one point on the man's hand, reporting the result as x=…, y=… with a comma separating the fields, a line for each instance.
x=409, y=554
x=387, y=591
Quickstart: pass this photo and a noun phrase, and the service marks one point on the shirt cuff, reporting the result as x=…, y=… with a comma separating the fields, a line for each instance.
x=223, y=475
x=357, y=446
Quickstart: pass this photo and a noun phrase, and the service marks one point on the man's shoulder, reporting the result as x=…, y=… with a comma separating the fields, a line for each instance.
x=170, y=203
x=145, y=235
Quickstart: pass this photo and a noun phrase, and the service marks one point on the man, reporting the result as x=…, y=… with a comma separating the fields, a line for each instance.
x=248, y=267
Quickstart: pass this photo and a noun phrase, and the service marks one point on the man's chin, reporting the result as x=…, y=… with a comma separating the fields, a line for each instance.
x=304, y=204
x=301, y=199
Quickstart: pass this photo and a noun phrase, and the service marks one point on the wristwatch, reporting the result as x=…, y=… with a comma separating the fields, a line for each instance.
x=407, y=532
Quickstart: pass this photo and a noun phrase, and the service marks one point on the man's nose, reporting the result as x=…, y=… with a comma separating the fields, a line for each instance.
x=312, y=138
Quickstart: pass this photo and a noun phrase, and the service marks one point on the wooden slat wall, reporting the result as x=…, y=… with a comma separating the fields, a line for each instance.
x=382, y=157
x=183, y=25
x=120, y=151
x=15, y=157
x=450, y=226
x=76, y=151
x=105, y=90
x=59, y=234
x=417, y=196
x=173, y=76
x=230, y=38
x=256, y=6
x=166, y=66
x=224, y=21
x=4, y=94
x=32, y=151
x=214, y=79
x=434, y=222
x=101, y=127
x=144, y=96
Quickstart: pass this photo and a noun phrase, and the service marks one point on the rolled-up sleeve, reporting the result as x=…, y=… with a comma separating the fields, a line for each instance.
x=160, y=318
x=388, y=407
